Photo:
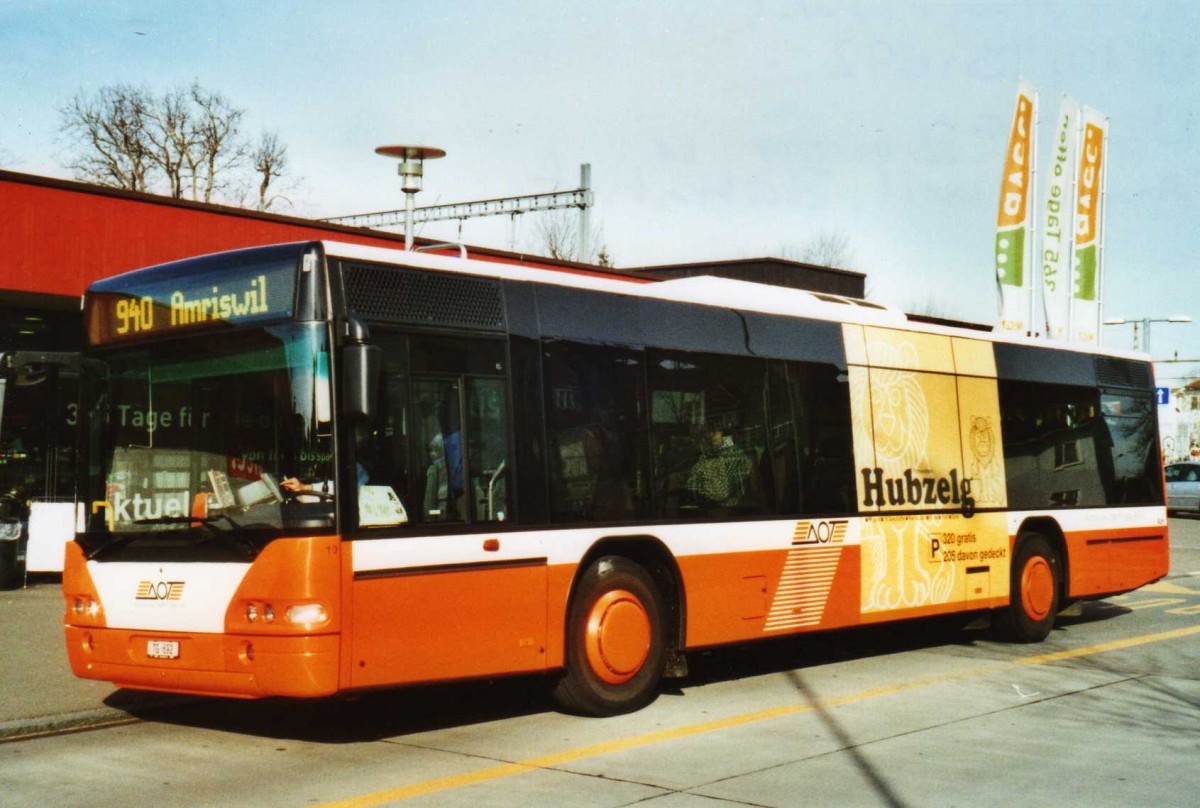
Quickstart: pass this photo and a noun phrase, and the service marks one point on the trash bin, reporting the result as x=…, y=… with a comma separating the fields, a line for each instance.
x=10, y=540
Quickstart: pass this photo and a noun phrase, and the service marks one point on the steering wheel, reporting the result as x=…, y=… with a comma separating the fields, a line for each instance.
x=322, y=496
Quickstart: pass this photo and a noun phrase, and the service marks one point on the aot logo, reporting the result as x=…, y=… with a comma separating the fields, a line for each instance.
x=823, y=531
x=162, y=590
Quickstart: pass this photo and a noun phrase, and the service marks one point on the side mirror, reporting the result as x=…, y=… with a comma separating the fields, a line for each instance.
x=361, y=365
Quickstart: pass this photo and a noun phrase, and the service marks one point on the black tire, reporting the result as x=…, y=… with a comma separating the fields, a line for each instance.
x=615, y=651
x=1035, y=593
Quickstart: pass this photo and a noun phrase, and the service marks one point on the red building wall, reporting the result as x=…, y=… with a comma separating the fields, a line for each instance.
x=56, y=236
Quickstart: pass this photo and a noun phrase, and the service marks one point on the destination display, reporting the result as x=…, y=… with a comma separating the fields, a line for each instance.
x=154, y=303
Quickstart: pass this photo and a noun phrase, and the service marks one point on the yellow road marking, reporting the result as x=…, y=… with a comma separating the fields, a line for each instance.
x=1151, y=604
x=1115, y=645
x=1167, y=588
x=622, y=744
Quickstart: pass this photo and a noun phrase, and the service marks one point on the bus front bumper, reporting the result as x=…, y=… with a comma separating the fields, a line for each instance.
x=206, y=664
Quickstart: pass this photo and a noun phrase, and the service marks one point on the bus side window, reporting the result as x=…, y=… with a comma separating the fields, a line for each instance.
x=440, y=439
x=1130, y=419
x=782, y=472
x=382, y=448
x=829, y=485
x=595, y=427
x=487, y=436
x=708, y=434
x=462, y=461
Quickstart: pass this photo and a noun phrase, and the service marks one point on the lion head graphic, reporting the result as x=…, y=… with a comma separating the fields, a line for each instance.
x=982, y=440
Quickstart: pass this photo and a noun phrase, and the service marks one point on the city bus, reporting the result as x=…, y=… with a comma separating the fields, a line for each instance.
x=317, y=468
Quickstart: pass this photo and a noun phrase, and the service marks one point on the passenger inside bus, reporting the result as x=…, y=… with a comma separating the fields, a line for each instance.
x=443, y=499
x=721, y=476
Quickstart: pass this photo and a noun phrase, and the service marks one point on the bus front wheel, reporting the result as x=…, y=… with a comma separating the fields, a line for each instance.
x=1035, y=590
x=614, y=653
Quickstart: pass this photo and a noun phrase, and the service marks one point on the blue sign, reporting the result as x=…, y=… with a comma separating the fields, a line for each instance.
x=1163, y=394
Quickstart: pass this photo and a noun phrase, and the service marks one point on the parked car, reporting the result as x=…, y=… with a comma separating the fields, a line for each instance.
x=1183, y=487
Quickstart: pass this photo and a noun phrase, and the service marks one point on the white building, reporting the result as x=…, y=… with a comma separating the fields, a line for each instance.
x=1179, y=423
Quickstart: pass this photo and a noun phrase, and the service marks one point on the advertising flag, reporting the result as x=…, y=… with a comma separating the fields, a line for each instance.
x=1013, y=234
x=1087, y=287
x=1057, y=223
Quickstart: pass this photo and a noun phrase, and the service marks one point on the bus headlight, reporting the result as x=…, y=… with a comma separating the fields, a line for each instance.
x=85, y=605
x=256, y=612
x=306, y=614
x=266, y=617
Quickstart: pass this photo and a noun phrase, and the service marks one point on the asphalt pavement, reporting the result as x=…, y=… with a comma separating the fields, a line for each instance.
x=39, y=695
x=38, y=692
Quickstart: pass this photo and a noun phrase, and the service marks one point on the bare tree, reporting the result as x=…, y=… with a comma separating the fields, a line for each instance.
x=172, y=138
x=110, y=131
x=187, y=142
x=827, y=248
x=270, y=161
x=557, y=235
x=217, y=131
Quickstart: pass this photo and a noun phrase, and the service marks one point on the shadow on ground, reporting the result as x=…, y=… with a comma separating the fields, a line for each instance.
x=391, y=713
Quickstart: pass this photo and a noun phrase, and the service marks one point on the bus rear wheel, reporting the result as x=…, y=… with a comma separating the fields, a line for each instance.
x=615, y=652
x=1035, y=590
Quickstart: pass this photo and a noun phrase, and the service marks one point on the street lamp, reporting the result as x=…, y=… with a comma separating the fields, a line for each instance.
x=412, y=169
x=1144, y=322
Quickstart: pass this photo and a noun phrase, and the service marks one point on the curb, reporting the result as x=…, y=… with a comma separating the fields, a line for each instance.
x=133, y=711
x=23, y=729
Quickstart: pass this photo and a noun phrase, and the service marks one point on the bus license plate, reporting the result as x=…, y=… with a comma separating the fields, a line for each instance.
x=162, y=649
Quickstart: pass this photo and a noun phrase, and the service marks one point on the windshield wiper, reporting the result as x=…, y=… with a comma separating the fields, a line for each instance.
x=227, y=536
x=233, y=540
x=207, y=521
x=111, y=544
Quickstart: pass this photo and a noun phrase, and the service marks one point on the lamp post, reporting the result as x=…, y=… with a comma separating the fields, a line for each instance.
x=1144, y=322
x=412, y=169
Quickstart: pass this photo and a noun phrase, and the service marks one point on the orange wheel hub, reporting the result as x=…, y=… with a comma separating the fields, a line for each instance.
x=618, y=636
x=1037, y=588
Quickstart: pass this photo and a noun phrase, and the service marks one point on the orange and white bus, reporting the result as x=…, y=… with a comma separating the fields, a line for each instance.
x=318, y=468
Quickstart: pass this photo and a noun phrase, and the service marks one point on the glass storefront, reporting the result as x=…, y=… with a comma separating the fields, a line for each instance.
x=37, y=419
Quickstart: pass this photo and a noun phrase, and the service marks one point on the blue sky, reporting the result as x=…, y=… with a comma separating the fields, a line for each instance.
x=714, y=130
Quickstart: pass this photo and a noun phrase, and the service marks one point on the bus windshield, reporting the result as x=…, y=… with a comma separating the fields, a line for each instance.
x=210, y=446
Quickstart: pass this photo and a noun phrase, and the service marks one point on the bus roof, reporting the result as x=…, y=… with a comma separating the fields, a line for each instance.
x=707, y=290
x=704, y=290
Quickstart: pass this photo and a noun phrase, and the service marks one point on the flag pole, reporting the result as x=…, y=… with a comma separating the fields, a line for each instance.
x=1074, y=201
x=1035, y=276
x=1103, y=234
